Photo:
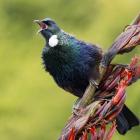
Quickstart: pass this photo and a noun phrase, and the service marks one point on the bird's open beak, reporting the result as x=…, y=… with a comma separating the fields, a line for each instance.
x=41, y=24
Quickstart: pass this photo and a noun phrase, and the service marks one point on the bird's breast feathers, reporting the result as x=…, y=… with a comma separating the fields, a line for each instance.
x=71, y=64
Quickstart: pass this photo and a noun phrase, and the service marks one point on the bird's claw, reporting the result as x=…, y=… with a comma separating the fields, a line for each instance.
x=94, y=83
x=76, y=109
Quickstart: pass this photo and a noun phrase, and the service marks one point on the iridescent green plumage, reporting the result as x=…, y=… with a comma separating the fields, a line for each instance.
x=71, y=63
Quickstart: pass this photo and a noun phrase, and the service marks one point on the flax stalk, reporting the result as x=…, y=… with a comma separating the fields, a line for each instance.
x=124, y=43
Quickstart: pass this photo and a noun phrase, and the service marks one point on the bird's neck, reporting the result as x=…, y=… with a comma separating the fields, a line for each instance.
x=65, y=39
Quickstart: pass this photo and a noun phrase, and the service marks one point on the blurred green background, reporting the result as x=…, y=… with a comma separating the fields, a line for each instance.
x=32, y=107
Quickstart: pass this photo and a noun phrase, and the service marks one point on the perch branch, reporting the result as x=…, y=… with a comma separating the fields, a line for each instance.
x=124, y=43
x=95, y=112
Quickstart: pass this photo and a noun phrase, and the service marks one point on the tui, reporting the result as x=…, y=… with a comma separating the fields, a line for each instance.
x=73, y=63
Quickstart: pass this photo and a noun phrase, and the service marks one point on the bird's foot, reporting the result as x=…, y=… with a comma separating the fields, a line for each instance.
x=76, y=108
x=94, y=83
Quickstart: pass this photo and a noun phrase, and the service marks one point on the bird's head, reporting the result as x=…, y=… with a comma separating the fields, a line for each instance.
x=48, y=28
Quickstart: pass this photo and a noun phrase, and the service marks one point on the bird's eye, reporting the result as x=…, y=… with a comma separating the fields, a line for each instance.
x=47, y=23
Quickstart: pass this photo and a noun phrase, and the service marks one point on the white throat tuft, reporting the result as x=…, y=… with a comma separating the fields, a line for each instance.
x=53, y=41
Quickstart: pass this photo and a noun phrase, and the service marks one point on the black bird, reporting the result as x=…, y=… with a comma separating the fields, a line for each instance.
x=72, y=63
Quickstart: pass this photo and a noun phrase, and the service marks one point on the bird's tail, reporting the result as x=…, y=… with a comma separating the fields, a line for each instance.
x=126, y=120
